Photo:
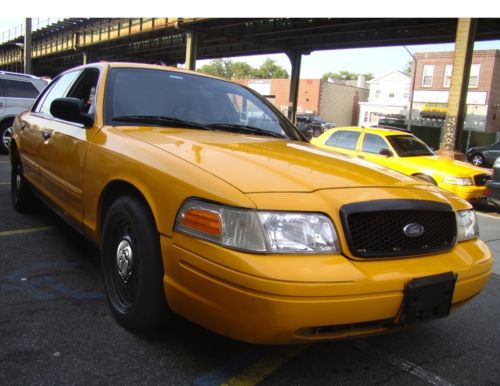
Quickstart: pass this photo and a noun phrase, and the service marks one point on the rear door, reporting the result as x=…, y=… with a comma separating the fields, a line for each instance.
x=372, y=145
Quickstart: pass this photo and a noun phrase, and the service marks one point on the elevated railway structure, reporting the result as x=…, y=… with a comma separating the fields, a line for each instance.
x=73, y=41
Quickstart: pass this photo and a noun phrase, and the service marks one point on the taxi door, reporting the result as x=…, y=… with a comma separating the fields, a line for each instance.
x=62, y=154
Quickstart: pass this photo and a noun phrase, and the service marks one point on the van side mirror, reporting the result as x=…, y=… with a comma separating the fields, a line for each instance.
x=385, y=152
x=71, y=109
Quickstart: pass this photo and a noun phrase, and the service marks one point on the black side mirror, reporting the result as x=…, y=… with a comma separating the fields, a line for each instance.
x=385, y=152
x=71, y=109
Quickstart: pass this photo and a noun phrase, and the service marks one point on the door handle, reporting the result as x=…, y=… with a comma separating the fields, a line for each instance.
x=47, y=133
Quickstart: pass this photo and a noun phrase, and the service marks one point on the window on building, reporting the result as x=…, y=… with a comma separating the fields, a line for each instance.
x=391, y=94
x=377, y=93
x=474, y=75
x=448, y=71
x=427, y=75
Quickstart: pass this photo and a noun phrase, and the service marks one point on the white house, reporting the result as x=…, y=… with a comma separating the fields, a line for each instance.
x=389, y=96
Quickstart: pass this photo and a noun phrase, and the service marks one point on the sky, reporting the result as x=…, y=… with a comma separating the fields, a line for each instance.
x=377, y=61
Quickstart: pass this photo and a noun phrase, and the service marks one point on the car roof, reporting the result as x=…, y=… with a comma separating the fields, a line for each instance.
x=19, y=75
x=374, y=130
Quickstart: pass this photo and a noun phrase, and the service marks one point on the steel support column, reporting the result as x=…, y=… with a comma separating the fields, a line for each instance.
x=296, y=61
x=191, y=49
x=27, y=47
x=455, y=116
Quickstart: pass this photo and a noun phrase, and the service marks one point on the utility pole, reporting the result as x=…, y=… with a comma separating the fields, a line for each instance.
x=413, y=76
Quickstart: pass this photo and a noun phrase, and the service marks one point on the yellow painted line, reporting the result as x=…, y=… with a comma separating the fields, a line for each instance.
x=265, y=366
x=23, y=231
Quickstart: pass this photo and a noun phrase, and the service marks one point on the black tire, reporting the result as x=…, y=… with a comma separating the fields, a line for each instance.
x=5, y=135
x=477, y=159
x=317, y=132
x=132, y=265
x=425, y=177
x=23, y=199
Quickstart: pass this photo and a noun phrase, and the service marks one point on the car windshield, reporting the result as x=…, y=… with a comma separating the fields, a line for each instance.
x=175, y=99
x=408, y=146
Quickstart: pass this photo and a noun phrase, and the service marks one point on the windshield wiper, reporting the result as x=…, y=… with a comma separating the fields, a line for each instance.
x=244, y=129
x=161, y=120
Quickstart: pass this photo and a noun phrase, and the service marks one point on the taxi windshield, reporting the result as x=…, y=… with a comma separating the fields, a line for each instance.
x=409, y=146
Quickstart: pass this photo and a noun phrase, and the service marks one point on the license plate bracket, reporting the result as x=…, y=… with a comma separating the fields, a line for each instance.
x=427, y=298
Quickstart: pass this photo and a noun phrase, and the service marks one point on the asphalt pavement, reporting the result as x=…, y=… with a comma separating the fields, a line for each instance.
x=56, y=328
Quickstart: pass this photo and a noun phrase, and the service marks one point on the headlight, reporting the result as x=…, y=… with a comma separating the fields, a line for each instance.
x=467, y=225
x=257, y=231
x=462, y=181
x=497, y=163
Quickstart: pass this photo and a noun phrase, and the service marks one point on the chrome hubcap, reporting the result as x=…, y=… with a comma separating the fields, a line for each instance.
x=124, y=260
x=7, y=134
x=477, y=160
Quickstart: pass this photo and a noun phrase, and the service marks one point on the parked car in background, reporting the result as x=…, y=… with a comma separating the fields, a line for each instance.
x=493, y=186
x=312, y=125
x=483, y=155
x=17, y=94
x=402, y=151
x=234, y=221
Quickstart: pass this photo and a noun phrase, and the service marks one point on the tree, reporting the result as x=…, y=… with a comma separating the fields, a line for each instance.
x=225, y=68
x=218, y=67
x=270, y=69
x=408, y=67
x=242, y=70
x=345, y=75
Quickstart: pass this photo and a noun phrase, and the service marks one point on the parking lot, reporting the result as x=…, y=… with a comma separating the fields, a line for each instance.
x=56, y=328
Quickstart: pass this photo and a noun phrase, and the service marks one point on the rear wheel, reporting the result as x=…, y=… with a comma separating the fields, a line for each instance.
x=23, y=198
x=477, y=159
x=132, y=265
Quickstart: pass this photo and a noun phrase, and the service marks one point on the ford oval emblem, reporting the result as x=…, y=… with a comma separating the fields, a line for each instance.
x=413, y=230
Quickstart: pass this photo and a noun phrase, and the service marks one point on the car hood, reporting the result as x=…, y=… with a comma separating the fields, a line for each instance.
x=442, y=166
x=255, y=164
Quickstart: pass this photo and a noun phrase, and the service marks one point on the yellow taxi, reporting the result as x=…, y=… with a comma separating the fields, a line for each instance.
x=207, y=202
x=402, y=151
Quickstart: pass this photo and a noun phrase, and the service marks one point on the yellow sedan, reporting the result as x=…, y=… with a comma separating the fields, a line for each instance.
x=407, y=154
x=206, y=202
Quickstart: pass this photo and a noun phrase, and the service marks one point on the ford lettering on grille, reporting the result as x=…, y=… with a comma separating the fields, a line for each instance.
x=413, y=230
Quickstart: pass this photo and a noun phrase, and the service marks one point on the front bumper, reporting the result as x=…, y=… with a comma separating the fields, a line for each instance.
x=469, y=193
x=283, y=299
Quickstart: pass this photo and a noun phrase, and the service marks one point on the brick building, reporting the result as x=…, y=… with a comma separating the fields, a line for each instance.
x=432, y=84
x=334, y=102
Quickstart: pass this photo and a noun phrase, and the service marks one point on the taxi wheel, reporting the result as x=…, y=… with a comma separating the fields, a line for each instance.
x=23, y=198
x=132, y=265
x=478, y=159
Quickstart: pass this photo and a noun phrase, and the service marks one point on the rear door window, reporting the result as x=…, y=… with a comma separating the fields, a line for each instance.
x=18, y=89
x=373, y=143
x=345, y=139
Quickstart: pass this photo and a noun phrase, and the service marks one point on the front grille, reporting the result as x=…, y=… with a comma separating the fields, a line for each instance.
x=481, y=179
x=375, y=229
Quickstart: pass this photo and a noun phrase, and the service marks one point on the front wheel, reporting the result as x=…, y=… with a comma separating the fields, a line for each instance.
x=425, y=177
x=478, y=159
x=132, y=265
x=6, y=135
